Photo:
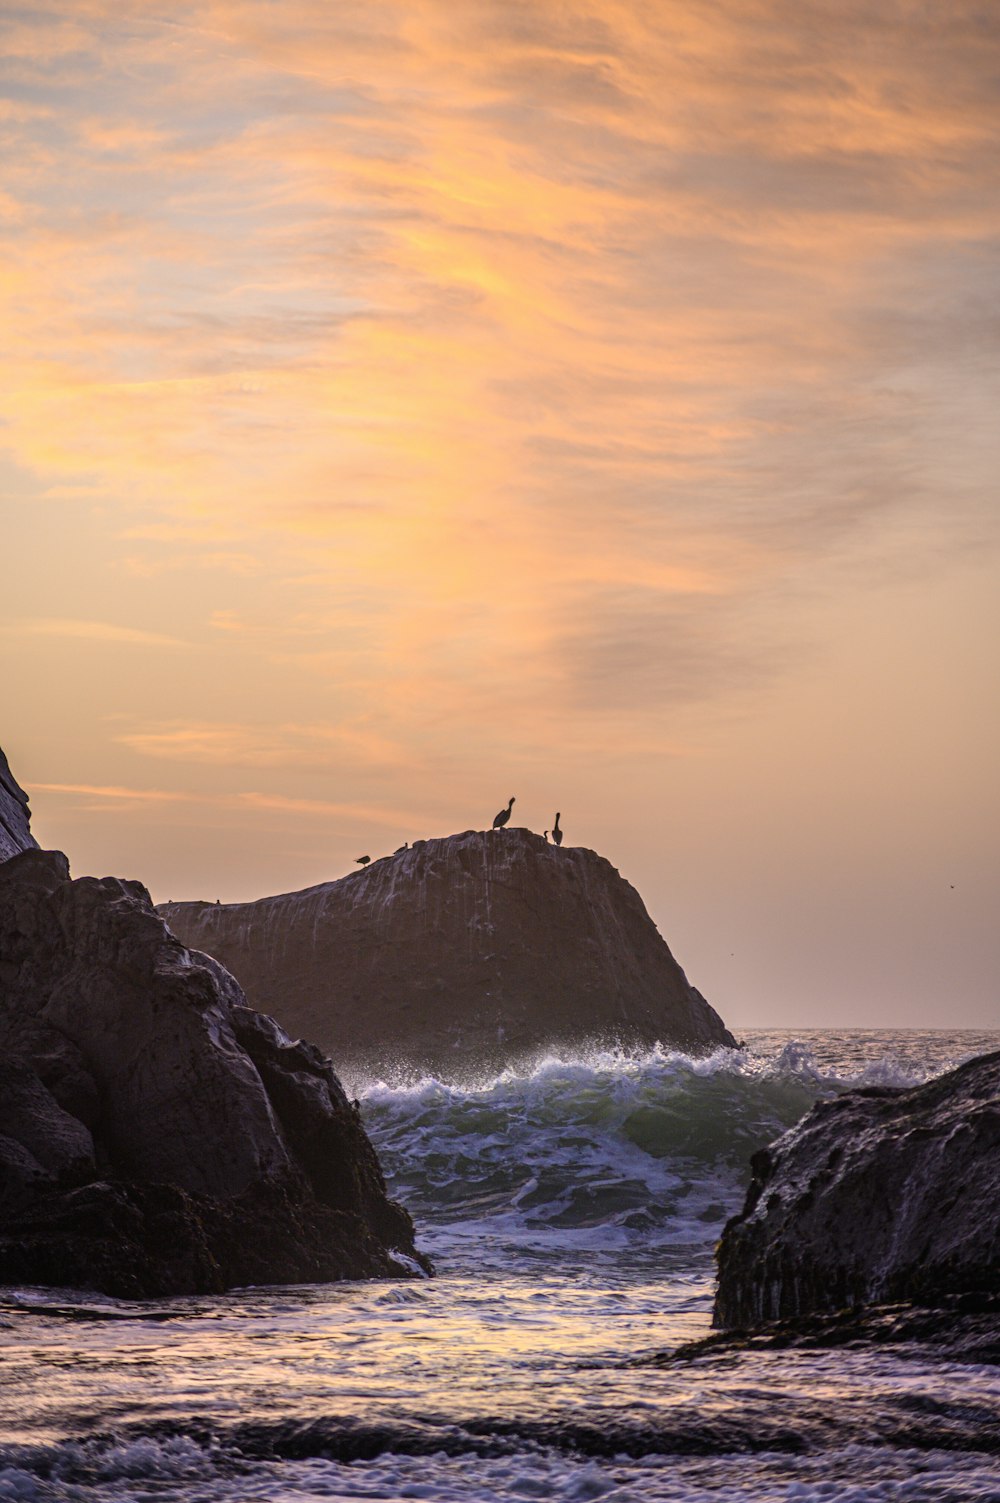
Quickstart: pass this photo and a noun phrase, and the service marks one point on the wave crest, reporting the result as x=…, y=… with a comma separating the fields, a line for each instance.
x=603, y=1145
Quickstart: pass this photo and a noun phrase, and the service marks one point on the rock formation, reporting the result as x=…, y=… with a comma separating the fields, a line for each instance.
x=15, y=830
x=879, y=1195
x=458, y=952
x=157, y=1135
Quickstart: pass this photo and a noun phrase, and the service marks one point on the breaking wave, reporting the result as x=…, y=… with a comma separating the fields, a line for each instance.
x=607, y=1149
x=571, y=1204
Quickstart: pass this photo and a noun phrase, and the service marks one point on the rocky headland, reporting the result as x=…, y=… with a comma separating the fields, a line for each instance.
x=157, y=1135
x=459, y=952
x=878, y=1196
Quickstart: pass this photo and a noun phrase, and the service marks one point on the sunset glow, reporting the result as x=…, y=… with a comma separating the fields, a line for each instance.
x=410, y=404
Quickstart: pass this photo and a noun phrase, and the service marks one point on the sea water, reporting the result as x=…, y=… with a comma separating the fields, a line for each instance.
x=571, y=1205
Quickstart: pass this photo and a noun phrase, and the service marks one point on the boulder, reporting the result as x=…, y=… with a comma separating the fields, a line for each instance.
x=879, y=1195
x=459, y=952
x=157, y=1135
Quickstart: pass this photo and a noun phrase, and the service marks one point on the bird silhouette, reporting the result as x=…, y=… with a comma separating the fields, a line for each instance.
x=362, y=860
x=557, y=834
x=401, y=848
x=502, y=818
x=545, y=836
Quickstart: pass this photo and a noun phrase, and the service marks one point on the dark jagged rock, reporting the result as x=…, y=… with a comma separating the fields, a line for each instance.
x=158, y=1136
x=41, y=1145
x=15, y=828
x=957, y=1328
x=460, y=951
x=880, y=1195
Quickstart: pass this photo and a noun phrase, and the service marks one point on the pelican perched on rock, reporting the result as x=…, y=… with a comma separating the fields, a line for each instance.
x=362, y=860
x=502, y=818
x=557, y=834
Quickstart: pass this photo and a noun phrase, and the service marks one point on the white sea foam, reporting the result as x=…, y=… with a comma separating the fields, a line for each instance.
x=571, y=1204
x=146, y=1469
x=601, y=1149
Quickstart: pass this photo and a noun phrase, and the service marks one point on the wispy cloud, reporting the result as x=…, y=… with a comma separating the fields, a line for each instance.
x=44, y=39
x=516, y=349
x=262, y=745
x=214, y=561
x=94, y=631
x=107, y=795
x=363, y=814
x=118, y=794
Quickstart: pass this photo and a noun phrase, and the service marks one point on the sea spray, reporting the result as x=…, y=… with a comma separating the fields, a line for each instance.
x=621, y=1152
x=520, y=1371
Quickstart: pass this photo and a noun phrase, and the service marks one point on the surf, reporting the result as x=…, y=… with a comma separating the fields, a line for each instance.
x=599, y=1149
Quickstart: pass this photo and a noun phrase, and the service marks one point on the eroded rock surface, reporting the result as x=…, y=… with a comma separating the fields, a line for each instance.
x=157, y=1135
x=459, y=951
x=15, y=826
x=877, y=1196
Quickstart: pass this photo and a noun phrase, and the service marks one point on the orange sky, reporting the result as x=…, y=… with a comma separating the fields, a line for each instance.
x=404, y=405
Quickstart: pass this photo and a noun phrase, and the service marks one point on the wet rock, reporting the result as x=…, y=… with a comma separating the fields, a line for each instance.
x=459, y=951
x=880, y=1195
x=157, y=1135
x=957, y=1328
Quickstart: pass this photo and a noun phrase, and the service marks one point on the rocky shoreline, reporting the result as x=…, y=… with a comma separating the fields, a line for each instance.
x=879, y=1195
x=160, y=1135
x=157, y=1135
x=956, y=1328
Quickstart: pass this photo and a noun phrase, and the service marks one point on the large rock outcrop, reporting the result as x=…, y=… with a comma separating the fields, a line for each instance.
x=458, y=952
x=157, y=1135
x=15, y=827
x=880, y=1195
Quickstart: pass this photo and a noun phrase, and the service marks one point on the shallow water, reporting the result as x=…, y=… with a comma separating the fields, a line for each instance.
x=572, y=1207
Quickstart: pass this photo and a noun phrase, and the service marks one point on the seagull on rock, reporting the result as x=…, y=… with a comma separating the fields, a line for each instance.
x=557, y=834
x=502, y=818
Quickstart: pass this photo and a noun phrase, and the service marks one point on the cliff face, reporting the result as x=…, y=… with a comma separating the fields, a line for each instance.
x=157, y=1135
x=15, y=830
x=879, y=1195
x=457, y=951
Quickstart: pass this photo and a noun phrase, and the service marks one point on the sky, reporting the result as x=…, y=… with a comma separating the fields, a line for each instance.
x=403, y=405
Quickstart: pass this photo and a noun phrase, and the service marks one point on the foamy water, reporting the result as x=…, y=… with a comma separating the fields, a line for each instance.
x=572, y=1206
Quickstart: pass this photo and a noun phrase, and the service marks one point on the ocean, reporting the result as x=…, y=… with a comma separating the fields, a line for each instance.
x=571, y=1206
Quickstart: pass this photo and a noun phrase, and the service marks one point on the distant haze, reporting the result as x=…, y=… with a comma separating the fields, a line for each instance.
x=411, y=404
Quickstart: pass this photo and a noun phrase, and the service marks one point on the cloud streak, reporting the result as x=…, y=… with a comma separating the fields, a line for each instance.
x=108, y=795
x=273, y=745
x=93, y=631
